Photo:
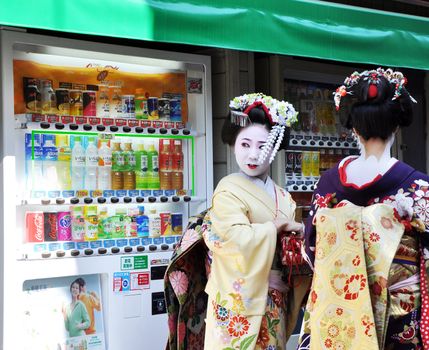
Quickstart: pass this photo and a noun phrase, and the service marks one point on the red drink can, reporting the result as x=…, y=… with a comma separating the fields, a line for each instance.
x=50, y=226
x=89, y=103
x=34, y=226
x=165, y=223
x=64, y=226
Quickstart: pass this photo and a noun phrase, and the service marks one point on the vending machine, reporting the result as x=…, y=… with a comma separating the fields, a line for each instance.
x=105, y=153
x=318, y=141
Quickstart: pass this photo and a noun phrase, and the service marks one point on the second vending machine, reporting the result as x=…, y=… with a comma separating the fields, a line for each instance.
x=106, y=154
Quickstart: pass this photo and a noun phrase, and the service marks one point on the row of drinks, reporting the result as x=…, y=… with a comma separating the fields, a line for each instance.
x=313, y=163
x=96, y=101
x=90, y=223
x=77, y=162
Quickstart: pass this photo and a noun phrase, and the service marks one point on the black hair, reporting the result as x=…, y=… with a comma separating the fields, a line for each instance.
x=81, y=281
x=257, y=115
x=380, y=116
x=76, y=281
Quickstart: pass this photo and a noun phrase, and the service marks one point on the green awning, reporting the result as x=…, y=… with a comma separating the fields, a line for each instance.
x=292, y=27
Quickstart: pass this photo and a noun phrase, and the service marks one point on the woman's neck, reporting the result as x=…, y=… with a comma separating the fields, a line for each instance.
x=376, y=147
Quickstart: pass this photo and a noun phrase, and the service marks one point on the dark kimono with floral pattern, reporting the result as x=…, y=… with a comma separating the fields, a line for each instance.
x=184, y=283
x=407, y=190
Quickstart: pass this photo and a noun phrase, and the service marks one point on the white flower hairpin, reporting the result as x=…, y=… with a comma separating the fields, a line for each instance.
x=281, y=114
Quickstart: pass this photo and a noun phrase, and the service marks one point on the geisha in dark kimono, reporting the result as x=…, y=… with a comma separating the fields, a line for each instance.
x=367, y=236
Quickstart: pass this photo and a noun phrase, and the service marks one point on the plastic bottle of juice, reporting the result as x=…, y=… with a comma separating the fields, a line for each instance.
x=141, y=168
x=104, y=165
x=118, y=163
x=91, y=164
x=129, y=166
x=64, y=161
x=78, y=164
x=153, y=167
x=50, y=162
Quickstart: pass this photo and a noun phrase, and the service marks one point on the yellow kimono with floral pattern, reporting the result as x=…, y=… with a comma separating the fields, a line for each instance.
x=242, y=239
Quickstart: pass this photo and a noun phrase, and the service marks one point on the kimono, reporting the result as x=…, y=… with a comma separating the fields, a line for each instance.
x=369, y=244
x=244, y=310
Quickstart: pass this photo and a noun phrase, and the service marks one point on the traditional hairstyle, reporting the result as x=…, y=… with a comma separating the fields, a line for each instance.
x=377, y=103
x=276, y=116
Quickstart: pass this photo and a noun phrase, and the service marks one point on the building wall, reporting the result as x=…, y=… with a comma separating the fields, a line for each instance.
x=232, y=75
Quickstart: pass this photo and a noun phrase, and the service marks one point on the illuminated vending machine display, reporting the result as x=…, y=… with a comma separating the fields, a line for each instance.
x=106, y=153
x=318, y=141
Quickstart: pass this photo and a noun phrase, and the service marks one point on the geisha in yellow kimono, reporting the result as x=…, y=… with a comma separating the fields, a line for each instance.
x=247, y=298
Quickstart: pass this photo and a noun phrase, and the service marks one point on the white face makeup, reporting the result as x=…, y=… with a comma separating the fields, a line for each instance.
x=247, y=148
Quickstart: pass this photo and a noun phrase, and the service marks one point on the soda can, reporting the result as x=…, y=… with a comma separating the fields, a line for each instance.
x=89, y=103
x=175, y=110
x=76, y=106
x=290, y=162
x=315, y=163
x=128, y=106
x=306, y=163
x=165, y=223
x=63, y=101
x=50, y=226
x=177, y=223
x=152, y=108
x=141, y=107
x=32, y=95
x=297, y=163
x=164, y=108
x=34, y=222
x=64, y=226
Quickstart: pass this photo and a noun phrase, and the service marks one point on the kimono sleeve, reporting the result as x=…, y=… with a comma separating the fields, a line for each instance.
x=233, y=235
x=322, y=198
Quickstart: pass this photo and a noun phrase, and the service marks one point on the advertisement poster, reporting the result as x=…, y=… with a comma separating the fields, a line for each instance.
x=63, y=313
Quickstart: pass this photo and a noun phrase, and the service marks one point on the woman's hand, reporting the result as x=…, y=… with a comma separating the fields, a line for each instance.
x=286, y=225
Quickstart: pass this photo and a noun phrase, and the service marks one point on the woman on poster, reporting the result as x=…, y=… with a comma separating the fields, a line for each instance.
x=76, y=318
x=367, y=235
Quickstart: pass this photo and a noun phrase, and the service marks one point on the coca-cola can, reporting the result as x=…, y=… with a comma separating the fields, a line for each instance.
x=35, y=230
x=64, y=226
x=50, y=226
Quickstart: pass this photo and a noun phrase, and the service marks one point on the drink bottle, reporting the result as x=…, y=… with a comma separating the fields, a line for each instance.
x=49, y=162
x=118, y=163
x=64, y=160
x=34, y=169
x=165, y=164
x=91, y=164
x=129, y=165
x=78, y=164
x=141, y=168
x=142, y=221
x=177, y=165
x=153, y=168
x=104, y=166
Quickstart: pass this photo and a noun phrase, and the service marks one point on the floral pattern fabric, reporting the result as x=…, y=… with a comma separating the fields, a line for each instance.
x=184, y=284
x=354, y=249
x=407, y=191
x=231, y=330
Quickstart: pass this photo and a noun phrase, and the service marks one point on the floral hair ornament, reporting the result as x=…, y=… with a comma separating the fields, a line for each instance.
x=281, y=114
x=373, y=78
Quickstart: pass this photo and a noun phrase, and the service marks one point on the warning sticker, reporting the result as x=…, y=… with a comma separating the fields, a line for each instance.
x=140, y=280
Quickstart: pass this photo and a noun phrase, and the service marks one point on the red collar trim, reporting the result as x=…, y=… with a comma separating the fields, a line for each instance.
x=343, y=176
